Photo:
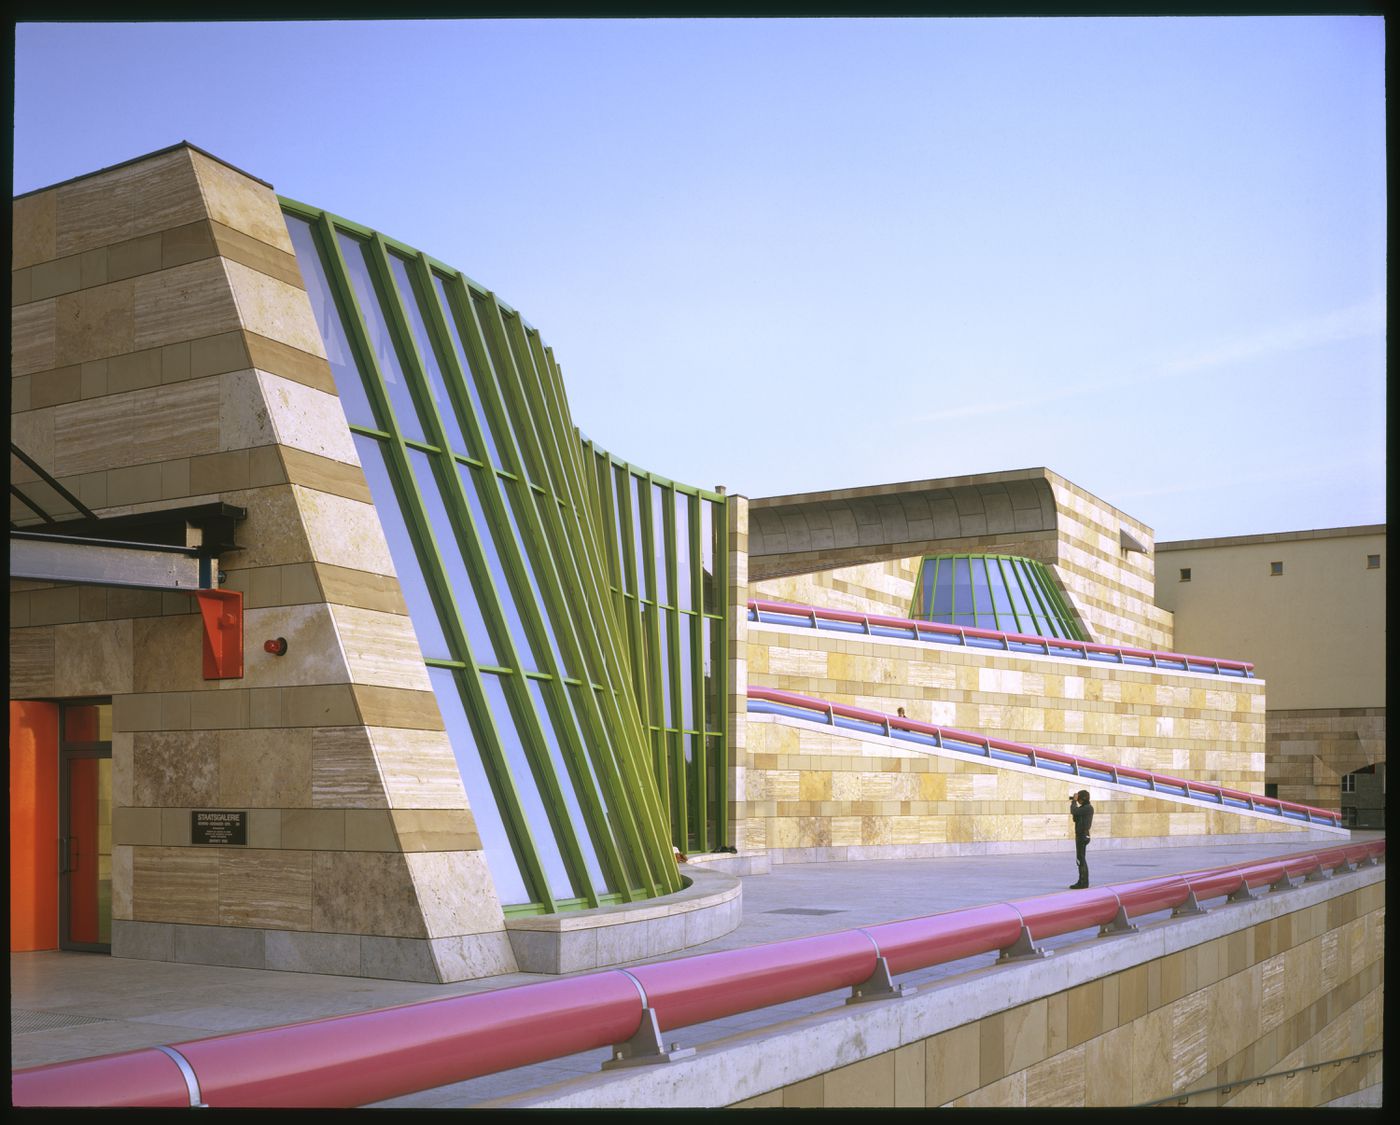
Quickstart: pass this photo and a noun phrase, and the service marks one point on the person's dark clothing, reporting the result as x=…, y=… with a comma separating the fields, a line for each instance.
x=1083, y=818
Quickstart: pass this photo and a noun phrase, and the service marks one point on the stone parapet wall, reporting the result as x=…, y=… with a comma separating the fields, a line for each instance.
x=1247, y=1006
x=1310, y=751
x=1274, y=999
x=1202, y=727
x=165, y=354
x=817, y=794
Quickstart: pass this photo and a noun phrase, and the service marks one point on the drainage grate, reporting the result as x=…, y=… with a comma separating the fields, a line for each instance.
x=802, y=910
x=26, y=1022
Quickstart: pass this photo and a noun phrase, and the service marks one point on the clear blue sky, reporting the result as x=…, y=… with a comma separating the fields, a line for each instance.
x=796, y=255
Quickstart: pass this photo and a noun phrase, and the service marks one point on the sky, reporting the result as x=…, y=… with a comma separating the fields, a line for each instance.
x=797, y=255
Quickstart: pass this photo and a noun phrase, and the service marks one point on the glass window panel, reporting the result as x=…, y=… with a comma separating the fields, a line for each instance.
x=1001, y=601
x=421, y=610
x=684, y=600
x=663, y=666
x=513, y=492
x=1015, y=583
x=437, y=388
x=83, y=723
x=943, y=591
x=348, y=383
x=527, y=786
x=981, y=593
x=708, y=549
x=582, y=832
x=495, y=841
x=356, y=253
x=714, y=763
x=685, y=627
x=455, y=567
x=639, y=539
x=659, y=508
x=713, y=636
x=962, y=593
x=472, y=481
x=576, y=704
x=924, y=595
x=471, y=377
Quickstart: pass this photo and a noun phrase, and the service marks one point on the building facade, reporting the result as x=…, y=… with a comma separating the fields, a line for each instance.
x=1310, y=608
x=337, y=647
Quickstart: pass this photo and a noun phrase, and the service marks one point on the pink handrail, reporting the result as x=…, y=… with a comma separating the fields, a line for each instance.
x=372, y=1056
x=1034, y=754
x=816, y=613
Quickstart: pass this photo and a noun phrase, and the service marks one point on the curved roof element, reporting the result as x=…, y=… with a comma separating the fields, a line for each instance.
x=810, y=531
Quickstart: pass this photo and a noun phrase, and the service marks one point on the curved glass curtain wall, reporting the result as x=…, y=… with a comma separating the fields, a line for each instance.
x=570, y=606
x=1001, y=592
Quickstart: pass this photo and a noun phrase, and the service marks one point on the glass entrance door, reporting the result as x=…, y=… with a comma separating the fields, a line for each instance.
x=85, y=828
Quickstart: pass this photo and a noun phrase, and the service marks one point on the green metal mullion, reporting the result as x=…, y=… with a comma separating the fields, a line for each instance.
x=633, y=603
x=697, y=672
x=517, y=692
x=1001, y=570
x=1020, y=585
x=720, y=518
x=1067, y=615
x=1041, y=608
x=452, y=488
x=553, y=586
x=585, y=573
x=528, y=437
x=654, y=671
x=401, y=476
x=679, y=815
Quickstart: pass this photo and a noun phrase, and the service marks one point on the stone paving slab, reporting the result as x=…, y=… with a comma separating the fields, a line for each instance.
x=144, y=1003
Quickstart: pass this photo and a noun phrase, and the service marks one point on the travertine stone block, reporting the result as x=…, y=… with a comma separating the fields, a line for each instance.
x=171, y=884
x=240, y=202
x=33, y=229
x=265, y=889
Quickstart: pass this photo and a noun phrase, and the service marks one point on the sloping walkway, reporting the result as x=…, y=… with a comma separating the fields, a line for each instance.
x=71, y=1005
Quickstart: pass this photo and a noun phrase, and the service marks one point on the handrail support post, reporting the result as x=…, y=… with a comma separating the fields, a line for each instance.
x=1242, y=893
x=879, y=986
x=1317, y=875
x=1023, y=947
x=1119, y=925
x=646, y=1046
x=1283, y=883
x=1190, y=906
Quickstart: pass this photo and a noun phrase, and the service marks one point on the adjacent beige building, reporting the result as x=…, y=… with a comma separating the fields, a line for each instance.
x=1308, y=608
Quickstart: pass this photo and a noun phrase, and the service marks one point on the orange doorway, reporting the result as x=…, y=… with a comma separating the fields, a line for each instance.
x=60, y=825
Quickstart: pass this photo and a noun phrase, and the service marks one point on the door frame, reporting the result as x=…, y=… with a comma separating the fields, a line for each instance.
x=68, y=752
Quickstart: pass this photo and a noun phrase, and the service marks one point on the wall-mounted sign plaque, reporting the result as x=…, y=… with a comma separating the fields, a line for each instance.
x=210, y=827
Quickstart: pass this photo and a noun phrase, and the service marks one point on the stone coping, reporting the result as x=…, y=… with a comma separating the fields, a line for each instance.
x=703, y=890
x=747, y=862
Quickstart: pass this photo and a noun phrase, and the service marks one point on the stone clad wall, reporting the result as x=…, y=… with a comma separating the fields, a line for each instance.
x=1114, y=590
x=1310, y=751
x=808, y=788
x=164, y=355
x=815, y=794
x=1199, y=726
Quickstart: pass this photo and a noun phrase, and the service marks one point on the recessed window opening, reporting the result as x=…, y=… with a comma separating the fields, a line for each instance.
x=1186, y=574
x=1275, y=568
x=1373, y=562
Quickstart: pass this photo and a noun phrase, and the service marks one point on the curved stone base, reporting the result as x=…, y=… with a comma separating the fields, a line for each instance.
x=710, y=906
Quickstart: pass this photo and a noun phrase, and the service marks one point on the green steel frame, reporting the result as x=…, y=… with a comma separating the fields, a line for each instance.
x=1047, y=613
x=609, y=761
